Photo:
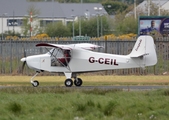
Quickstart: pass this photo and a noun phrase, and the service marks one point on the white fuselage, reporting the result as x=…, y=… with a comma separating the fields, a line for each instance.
x=85, y=60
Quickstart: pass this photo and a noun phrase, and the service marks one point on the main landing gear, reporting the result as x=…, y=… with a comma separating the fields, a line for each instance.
x=69, y=82
x=77, y=81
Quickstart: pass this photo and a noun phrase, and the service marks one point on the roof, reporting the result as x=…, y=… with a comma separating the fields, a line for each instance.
x=77, y=9
x=21, y=7
x=48, y=9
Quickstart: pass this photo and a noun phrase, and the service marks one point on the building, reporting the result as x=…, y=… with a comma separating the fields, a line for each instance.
x=144, y=7
x=12, y=13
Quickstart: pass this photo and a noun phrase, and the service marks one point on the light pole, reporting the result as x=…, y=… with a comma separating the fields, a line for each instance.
x=2, y=27
x=30, y=24
x=102, y=27
x=13, y=23
x=159, y=8
x=80, y=27
x=101, y=31
x=97, y=10
x=148, y=7
x=7, y=15
x=73, y=26
x=4, y=14
x=135, y=11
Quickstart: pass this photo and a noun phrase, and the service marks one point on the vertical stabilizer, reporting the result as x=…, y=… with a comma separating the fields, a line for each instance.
x=145, y=49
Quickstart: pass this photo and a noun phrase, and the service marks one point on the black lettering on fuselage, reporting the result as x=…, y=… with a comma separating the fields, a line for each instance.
x=107, y=61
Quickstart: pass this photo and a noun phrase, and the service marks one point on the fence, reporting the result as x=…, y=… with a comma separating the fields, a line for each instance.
x=11, y=51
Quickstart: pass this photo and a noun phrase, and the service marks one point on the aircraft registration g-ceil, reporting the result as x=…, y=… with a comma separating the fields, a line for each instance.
x=77, y=58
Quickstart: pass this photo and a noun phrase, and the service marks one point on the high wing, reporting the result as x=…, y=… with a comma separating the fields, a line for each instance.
x=64, y=47
x=86, y=46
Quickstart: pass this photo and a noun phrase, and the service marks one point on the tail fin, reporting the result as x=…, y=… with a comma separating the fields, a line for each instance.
x=145, y=47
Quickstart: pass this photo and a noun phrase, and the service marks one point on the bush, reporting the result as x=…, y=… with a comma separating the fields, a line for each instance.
x=15, y=107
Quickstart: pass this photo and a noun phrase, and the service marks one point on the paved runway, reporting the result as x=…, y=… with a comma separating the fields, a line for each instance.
x=146, y=87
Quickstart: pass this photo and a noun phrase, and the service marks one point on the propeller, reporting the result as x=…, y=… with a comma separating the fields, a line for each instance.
x=24, y=61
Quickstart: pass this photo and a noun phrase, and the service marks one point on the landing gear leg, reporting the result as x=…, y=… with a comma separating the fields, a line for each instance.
x=35, y=83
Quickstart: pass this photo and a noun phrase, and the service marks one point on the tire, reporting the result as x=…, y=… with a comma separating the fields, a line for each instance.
x=35, y=83
x=68, y=82
x=78, y=82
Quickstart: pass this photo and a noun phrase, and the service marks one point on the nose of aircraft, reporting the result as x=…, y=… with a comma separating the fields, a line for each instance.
x=23, y=59
x=32, y=61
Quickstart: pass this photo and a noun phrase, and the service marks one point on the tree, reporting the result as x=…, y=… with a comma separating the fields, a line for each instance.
x=125, y=25
x=57, y=29
x=30, y=28
x=89, y=26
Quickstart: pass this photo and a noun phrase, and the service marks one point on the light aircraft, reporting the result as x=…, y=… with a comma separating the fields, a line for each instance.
x=78, y=58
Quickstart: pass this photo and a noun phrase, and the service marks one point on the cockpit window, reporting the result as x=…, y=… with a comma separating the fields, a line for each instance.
x=59, y=57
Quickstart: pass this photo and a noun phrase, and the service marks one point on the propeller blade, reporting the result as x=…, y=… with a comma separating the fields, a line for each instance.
x=24, y=53
x=24, y=61
x=23, y=66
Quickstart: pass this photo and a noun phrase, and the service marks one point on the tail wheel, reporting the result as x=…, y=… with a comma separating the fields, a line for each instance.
x=35, y=83
x=68, y=82
x=78, y=82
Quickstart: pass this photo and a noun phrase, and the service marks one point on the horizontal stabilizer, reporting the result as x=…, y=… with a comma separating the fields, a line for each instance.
x=135, y=56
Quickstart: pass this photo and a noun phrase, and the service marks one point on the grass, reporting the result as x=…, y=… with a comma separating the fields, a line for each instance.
x=18, y=103
x=42, y=103
x=76, y=104
x=88, y=80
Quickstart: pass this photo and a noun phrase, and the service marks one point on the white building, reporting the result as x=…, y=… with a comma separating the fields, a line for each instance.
x=12, y=12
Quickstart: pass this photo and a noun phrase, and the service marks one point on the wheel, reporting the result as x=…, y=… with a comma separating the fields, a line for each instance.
x=35, y=83
x=68, y=82
x=78, y=82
